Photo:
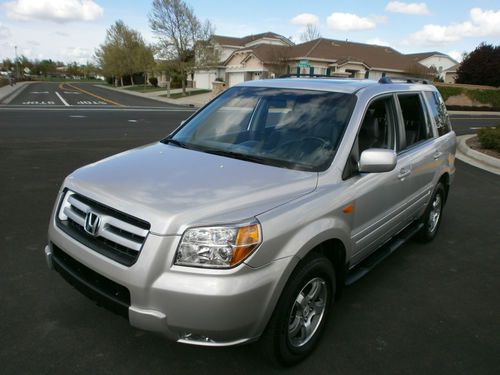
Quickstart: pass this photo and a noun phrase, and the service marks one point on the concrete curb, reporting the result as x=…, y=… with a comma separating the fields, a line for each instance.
x=475, y=158
x=7, y=97
x=474, y=113
x=142, y=95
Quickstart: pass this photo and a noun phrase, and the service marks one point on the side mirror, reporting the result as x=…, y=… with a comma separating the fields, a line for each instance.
x=377, y=160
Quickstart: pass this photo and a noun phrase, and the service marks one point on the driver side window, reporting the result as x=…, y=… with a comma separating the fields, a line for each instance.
x=377, y=131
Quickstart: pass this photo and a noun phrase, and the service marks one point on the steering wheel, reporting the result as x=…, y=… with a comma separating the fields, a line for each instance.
x=299, y=148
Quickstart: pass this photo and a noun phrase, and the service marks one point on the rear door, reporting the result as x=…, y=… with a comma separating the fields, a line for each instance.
x=418, y=144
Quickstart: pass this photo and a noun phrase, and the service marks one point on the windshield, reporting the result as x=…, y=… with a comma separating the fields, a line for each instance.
x=290, y=128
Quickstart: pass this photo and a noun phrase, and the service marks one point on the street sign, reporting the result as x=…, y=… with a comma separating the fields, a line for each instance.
x=303, y=64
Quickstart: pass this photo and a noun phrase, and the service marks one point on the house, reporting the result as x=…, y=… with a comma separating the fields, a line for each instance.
x=269, y=55
x=349, y=59
x=437, y=60
x=450, y=74
x=225, y=46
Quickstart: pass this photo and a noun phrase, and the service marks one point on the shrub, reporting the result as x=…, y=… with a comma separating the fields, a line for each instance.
x=489, y=138
x=153, y=81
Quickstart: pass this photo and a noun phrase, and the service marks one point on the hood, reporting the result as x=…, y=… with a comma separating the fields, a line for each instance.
x=173, y=188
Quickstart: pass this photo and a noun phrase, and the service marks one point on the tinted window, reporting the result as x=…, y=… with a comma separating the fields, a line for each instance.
x=438, y=111
x=416, y=127
x=298, y=129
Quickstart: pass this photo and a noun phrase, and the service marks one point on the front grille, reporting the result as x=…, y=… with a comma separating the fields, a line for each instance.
x=105, y=292
x=119, y=236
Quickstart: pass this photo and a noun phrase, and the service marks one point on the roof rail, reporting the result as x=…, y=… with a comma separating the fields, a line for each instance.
x=307, y=75
x=389, y=79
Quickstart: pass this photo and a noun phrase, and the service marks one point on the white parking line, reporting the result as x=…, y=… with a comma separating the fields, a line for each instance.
x=62, y=99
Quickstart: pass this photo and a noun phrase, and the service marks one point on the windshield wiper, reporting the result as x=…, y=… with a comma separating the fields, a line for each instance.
x=174, y=142
x=247, y=157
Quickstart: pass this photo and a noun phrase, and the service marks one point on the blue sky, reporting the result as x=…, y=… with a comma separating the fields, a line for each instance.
x=70, y=30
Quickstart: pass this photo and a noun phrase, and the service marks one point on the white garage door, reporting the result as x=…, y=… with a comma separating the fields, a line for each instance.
x=235, y=78
x=202, y=80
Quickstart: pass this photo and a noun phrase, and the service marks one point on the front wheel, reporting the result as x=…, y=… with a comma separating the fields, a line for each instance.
x=301, y=313
x=432, y=216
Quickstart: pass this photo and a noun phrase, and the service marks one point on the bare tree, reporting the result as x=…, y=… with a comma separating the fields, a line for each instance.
x=310, y=33
x=180, y=32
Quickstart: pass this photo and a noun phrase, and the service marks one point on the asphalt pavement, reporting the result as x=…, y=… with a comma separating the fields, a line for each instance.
x=427, y=309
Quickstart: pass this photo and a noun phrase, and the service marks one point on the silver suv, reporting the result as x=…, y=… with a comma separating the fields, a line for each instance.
x=247, y=220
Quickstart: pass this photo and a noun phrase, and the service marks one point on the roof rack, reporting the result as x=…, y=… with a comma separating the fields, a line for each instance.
x=388, y=79
x=307, y=75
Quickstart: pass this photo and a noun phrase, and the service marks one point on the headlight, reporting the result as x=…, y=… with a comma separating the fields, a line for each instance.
x=218, y=246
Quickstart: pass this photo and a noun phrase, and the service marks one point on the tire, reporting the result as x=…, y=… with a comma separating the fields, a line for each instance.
x=301, y=312
x=432, y=215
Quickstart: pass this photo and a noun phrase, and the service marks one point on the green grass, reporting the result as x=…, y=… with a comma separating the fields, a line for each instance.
x=141, y=88
x=485, y=96
x=447, y=91
x=489, y=138
x=189, y=93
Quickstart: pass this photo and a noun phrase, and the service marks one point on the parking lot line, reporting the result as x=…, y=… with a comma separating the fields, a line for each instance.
x=62, y=99
x=94, y=95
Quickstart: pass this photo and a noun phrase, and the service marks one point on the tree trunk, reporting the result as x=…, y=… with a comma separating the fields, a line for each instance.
x=132, y=79
x=121, y=80
x=183, y=86
x=145, y=79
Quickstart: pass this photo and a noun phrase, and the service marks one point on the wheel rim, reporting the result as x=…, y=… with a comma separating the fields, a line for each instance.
x=307, y=312
x=435, y=213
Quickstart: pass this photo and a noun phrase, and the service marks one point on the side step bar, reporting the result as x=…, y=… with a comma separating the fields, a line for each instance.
x=378, y=256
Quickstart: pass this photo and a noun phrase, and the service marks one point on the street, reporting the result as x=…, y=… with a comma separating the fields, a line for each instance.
x=427, y=309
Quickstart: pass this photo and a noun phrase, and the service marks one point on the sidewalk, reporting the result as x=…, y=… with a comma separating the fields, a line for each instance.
x=192, y=101
x=476, y=158
x=7, y=93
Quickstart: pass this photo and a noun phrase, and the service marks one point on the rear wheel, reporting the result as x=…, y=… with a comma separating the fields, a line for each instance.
x=301, y=313
x=432, y=216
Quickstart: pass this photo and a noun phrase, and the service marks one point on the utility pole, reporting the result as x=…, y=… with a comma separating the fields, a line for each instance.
x=17, y=65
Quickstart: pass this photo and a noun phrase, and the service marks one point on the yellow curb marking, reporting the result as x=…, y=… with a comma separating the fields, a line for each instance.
x=91, y=94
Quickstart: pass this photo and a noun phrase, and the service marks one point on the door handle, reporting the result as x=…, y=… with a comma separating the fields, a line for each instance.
x=437, y=155
x=404, y=172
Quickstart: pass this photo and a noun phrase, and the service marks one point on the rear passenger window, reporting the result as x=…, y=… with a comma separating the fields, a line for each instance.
x=438, y=111
x=416, y=125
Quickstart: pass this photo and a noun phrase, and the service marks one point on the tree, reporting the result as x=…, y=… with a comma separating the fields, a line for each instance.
x=179, y=32
x=124, y=53
x=481, y=66
x=310, y=33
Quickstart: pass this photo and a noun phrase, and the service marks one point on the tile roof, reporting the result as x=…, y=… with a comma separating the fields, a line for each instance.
x=373, y=56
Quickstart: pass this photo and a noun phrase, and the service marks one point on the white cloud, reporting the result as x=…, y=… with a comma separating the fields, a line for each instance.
x=349, y=22
x=4, y=31
x=378, y=42
x=481, y=24
x=456, y=55
x=407, y=8
x=80, y=55
x=50, y=10
x=305, y=19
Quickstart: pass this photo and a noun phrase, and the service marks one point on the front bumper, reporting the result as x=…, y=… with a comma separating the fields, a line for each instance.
x=188, y=305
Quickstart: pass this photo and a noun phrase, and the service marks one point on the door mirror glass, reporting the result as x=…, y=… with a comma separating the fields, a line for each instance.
x=377, y=160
